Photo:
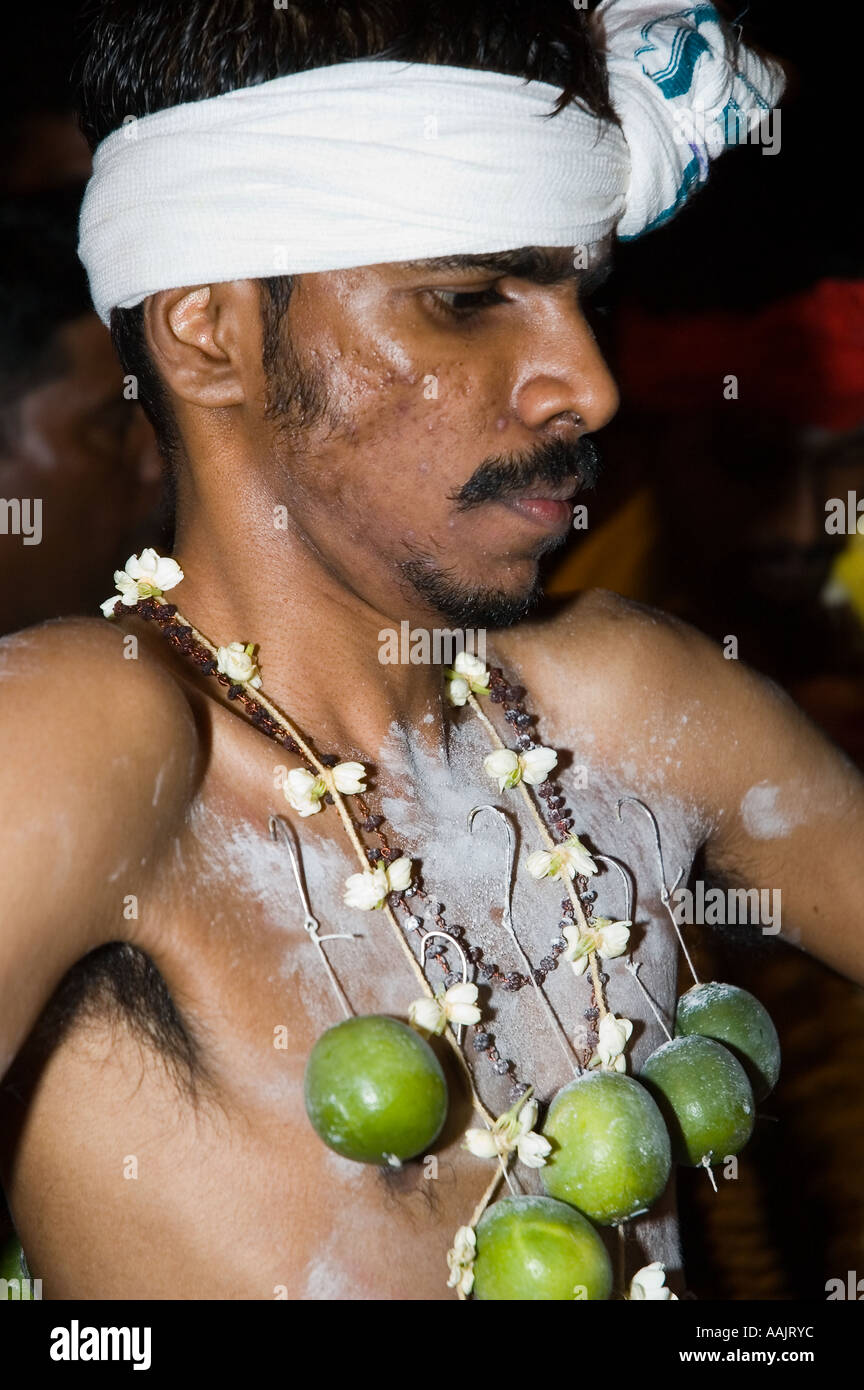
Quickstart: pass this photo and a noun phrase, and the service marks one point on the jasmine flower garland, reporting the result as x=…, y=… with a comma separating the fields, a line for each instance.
x=386, y=879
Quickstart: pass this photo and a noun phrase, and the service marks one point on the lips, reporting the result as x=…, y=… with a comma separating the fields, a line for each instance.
x=550, y=507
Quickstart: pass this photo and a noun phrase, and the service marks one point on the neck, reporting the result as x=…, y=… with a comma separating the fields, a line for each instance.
x=318, y=639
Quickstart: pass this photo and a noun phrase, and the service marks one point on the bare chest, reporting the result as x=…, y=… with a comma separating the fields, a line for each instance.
x=224, y=1190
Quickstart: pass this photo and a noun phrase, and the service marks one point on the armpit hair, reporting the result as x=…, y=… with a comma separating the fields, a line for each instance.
x=743, y=936
x=118, y=983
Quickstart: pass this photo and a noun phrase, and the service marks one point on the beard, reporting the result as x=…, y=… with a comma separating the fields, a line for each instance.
x=479, y=606
x=297, y=397
x=467, y=605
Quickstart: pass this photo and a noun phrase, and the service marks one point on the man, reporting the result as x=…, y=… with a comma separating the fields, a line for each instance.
x=393, y=440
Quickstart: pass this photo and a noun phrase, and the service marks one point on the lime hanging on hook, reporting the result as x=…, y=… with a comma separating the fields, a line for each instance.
x=375, y=1092
x=611, y=1154
x=705, y=1097
x=735, y=1018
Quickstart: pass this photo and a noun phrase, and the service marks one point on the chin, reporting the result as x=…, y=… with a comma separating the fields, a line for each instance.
x=466, y=604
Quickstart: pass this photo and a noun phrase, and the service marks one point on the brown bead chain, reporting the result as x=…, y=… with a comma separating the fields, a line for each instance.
x=511, y=697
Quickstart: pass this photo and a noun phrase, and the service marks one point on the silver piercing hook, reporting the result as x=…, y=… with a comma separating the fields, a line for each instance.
x=665, y=892
x=507, y=923
x=507, y=918
x=633, y=967
x=279, y=831
x=627, y=879
x=310, y=922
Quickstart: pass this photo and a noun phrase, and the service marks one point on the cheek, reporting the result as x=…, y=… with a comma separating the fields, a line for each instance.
x=428, y=431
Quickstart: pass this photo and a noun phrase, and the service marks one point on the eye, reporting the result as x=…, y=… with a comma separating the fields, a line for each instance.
x=462, y=304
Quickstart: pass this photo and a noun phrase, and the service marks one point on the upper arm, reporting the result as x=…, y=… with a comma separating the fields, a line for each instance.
x=783, y=805
x=780, y=807
x=96, y=765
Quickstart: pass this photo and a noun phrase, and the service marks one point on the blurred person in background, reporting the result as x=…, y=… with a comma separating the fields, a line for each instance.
x=748, y=543
x=79, y=472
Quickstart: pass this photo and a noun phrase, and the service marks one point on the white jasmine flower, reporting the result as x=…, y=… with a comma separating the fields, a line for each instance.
x=153, y=572
x=303, y=791
x=612, y=1037
x=147, y=575
x=532, y=1149
x=427, y=1015
x=399, y=874
x=503, y=766
x=366, y=890
x=604, y=936
x=482, y=1143
x=650, y=1283
x=536, y=765
x=458, y=1004
x=475, y=671
x=369, y=889
x=458, y=690
x=468, y=675
x=237, y=661
x=513, y=1130
x=570, y=858
x=460, y=1260
x=348, y=778
x=508, y=767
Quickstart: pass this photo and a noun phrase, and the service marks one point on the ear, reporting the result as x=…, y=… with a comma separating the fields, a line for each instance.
x=206, y=342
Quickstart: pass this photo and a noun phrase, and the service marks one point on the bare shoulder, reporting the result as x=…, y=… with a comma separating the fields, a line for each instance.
x=612, y=660
x=98, y=762
x=73, y=678
x=93, y=727
x=687, y=710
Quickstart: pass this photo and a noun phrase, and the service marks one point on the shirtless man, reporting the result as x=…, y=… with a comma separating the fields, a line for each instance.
x=153, y=950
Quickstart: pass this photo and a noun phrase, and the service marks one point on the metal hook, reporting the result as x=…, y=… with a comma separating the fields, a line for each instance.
x=507, y=918
x=665, y=891
x=310, y=922
x=627, y=879
x=633, y=967
x=507, y=923
x=279, y=831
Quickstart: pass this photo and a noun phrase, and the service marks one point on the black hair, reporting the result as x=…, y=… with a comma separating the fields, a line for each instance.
x=139, y=59
x=119, y=986
x=42, y=286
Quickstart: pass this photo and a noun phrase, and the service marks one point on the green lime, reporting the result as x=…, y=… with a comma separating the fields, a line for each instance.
x=705, y=1097
x=610, y=1148
x=14, y=1284
x=735, y=1018
x=537, y=1248
x=375, y=1090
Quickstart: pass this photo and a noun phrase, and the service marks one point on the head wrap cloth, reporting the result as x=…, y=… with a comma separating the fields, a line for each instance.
x=372, y=161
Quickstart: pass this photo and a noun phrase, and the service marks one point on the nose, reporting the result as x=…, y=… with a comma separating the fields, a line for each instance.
x=562, y=376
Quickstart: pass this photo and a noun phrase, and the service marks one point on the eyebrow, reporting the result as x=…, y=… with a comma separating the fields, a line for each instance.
x=527, y=263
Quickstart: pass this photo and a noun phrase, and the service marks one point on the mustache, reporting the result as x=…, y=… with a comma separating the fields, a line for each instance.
x=552, y=463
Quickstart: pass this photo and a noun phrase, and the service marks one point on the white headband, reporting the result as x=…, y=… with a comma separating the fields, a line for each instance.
x=376, y=160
